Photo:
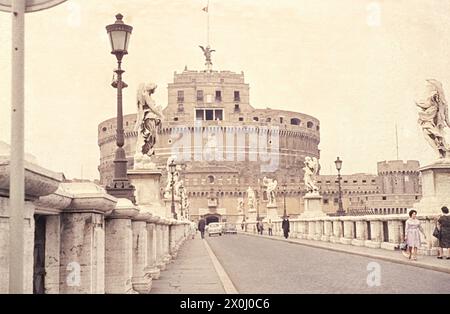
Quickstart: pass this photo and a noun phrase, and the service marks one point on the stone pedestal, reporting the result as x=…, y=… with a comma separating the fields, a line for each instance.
x=251, y=216
x=148, y=195
x=272, y=212
x=313, y=206
x=168, y=207
x=435, y=188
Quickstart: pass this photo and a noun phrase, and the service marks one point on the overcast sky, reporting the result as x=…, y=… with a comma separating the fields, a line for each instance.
x=353, y=64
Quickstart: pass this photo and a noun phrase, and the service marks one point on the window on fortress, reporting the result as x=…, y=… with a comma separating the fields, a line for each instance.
x=237, y=108
x=364, y=181
x=383, y=198
x=209, y=114
x=295, y=121
x=309, y=125
x=355, y=181
x=104, y=129
x=180, y=96
x=325, y=201
x=373, y=181
x=199, y=95
x=255, y=119
x=218, y=114
x=345, y=181
x=218, y=95
x=180, y=108
x=237, y=96
x=281, y=119
x=268, y=119
x=241, y=118
x=175, y=119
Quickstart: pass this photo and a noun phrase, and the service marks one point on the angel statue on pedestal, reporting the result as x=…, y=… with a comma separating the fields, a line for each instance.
x=311, y=169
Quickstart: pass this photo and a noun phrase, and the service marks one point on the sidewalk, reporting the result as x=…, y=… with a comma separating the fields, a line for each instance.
x=192, y=272
x=428, y=262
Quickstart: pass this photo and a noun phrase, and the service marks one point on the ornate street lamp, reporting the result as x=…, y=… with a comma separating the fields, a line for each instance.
x=338, y=162
x=284, y=200
x=172, y=170
x=119, y=35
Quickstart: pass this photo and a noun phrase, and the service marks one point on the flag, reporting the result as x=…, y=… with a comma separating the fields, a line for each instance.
x=205, y=9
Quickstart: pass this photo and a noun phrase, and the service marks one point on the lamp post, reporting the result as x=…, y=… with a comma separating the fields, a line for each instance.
x=172, y=170
x=338, y=162
x=284, y=200
x=119, y=35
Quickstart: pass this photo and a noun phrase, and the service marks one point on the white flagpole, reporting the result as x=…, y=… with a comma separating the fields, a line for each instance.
x=17, y=170
x=207, y=24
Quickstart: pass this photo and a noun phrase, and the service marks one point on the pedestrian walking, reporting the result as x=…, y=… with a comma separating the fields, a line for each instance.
x=193, y=229
x=270, y=227
x=201, y=226
x=261, y=227
x=285, y=225
x=412, y=234
x=443, y=225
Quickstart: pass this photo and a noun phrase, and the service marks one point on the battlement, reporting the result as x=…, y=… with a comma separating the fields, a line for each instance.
x=220, y=77
x=389, y=166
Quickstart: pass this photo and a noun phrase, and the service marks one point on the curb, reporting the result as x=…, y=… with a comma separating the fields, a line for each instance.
x=381, y=257
x=225, y=280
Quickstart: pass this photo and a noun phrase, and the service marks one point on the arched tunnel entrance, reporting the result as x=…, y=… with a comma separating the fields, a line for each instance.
x=212, y=218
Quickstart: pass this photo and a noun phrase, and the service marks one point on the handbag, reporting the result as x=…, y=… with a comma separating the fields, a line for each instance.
x=436, y=232
x=403, y=246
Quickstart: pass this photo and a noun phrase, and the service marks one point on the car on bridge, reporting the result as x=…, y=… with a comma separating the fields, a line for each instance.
x=229, y=228
x=214, y=228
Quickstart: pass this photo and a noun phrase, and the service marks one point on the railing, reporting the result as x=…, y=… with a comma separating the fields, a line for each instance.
x=374, y=231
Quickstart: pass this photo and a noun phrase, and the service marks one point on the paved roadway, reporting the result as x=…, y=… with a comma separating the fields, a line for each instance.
x=258, y=265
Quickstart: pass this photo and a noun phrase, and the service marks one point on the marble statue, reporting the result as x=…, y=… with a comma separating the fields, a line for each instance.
x=433, y=116
x=207, y=52
x=148, y=122
x=251, y=198
x=240, y=207
x=311, y=170
x=271, y=185
x=175, y=177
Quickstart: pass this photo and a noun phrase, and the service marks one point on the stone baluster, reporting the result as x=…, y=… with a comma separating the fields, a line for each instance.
x=348, y=230
x=318, y=232
x=328, y=230
x=119, y=248
x=311, y=229
x=82, y=254
x=142, y=278
x=376, y=232
x=361, y=232
x=152, y=249
x=159, y=245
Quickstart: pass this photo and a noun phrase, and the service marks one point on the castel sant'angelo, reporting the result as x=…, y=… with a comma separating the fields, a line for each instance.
x=226, y=146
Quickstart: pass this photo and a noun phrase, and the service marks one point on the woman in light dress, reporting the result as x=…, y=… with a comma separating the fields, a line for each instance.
x=412, y=234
